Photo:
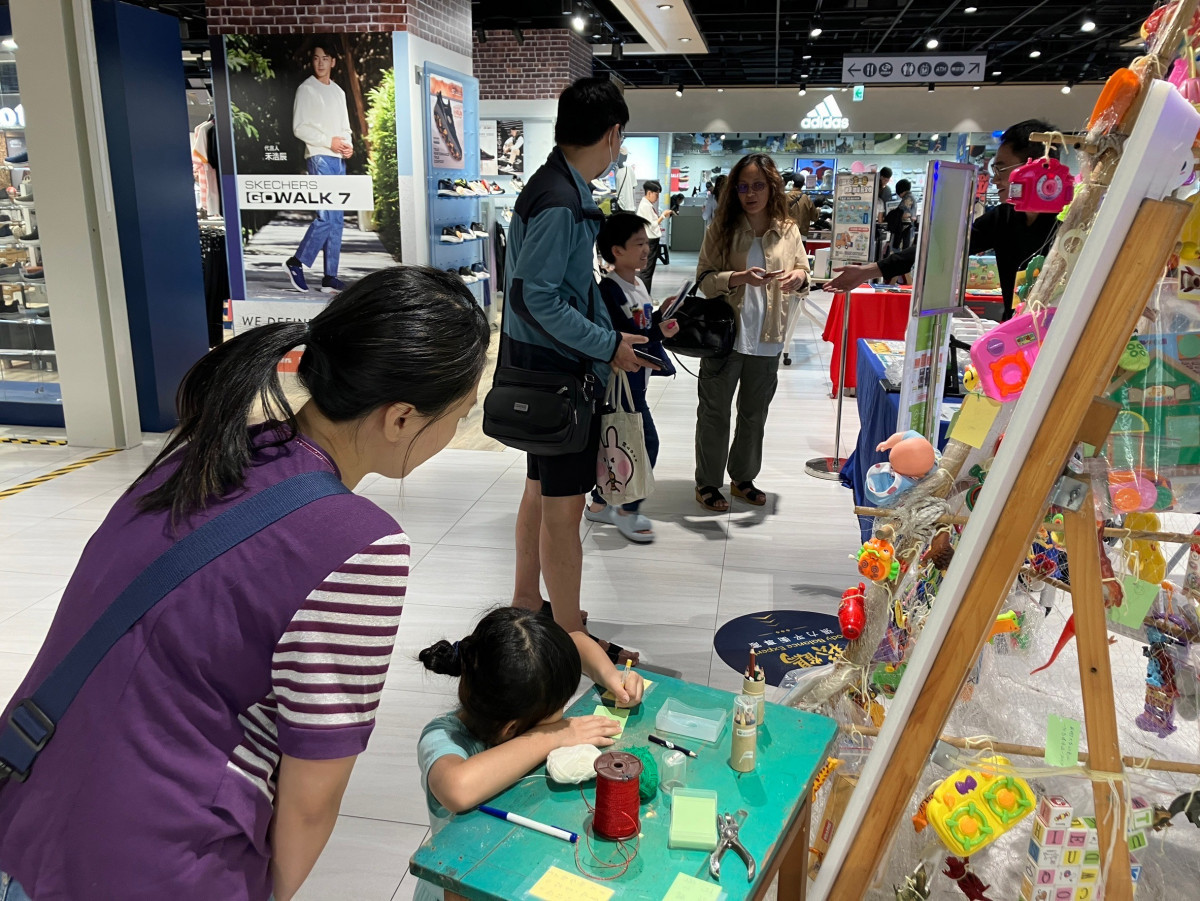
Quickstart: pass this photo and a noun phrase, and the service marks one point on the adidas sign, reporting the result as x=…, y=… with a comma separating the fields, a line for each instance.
x=827, y=116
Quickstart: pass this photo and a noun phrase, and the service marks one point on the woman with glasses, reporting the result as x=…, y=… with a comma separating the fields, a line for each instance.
x=754, y=255
x=1015, y=237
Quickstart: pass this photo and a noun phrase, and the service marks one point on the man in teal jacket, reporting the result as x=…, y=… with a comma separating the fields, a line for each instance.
x=555, y=321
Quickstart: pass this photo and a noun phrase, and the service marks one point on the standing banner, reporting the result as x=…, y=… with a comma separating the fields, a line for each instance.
x=314, y=138
x=939, y=288
x=854, y=201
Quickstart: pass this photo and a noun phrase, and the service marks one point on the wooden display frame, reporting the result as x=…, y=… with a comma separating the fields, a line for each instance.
x=1122, y=259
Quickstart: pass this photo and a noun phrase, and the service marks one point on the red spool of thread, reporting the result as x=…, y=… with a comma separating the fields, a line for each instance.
x=617, y=803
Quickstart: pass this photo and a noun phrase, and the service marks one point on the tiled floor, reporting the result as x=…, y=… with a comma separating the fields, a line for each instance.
x=666, y=599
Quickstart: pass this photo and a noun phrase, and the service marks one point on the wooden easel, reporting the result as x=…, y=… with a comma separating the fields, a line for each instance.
x=1137, y=267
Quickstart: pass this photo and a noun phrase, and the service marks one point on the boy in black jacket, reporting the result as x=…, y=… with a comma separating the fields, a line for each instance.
x=622, y=242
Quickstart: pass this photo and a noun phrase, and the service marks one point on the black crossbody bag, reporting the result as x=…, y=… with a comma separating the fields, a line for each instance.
x=707, y=325
x=544, y=413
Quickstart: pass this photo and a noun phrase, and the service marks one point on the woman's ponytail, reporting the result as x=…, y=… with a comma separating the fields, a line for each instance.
x=215, y=401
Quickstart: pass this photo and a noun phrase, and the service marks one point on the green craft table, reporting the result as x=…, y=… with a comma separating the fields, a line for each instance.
x=481, y=858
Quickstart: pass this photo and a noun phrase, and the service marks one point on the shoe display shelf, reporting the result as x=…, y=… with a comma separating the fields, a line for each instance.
x=453, y=243
x=28, y=361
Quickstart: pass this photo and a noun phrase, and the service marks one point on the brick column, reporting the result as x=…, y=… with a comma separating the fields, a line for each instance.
x=443, y=22
x=538, y=69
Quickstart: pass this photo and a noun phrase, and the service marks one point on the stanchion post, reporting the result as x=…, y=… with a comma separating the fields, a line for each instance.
x=831, y=467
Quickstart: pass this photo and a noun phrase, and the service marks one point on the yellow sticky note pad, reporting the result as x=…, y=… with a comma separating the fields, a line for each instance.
x=617, y=714
x=689, y=888
x=559, y=885
x=975, y=420
x=609, y=696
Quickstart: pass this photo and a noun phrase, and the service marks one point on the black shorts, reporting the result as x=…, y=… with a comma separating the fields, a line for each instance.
x=567, y=475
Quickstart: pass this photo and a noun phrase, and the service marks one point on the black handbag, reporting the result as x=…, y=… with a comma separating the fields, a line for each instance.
x=548, y=414
x=707, y=326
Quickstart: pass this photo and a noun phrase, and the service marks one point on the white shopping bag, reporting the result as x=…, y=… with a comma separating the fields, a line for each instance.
x=623, y=471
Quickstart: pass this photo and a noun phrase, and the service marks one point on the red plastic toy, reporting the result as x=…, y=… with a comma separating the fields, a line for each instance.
x=1041, y=186
x=852, y=614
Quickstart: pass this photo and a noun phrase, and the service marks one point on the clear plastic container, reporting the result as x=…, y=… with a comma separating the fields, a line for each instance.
x=678, y=718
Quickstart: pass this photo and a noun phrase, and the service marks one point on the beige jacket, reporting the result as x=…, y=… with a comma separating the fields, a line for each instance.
x=802, y=210
x=783, y=248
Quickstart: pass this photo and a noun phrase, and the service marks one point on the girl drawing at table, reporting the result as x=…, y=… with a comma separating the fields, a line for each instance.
x=516, y=672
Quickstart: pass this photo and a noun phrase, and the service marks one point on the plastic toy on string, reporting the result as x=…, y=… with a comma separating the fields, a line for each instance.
x=1041, y=186
x=1004, y=357
x=972, y=808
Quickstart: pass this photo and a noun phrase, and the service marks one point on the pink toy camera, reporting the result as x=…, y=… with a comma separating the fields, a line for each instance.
x=1041, y=186
x=1004, y=357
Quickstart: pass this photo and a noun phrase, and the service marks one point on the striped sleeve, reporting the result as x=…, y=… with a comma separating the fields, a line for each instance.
x=329, y=667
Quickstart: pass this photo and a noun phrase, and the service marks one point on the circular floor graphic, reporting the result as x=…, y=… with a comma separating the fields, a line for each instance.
x=783, y=640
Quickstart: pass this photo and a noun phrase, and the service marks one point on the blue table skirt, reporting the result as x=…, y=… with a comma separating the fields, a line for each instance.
x=878, y=411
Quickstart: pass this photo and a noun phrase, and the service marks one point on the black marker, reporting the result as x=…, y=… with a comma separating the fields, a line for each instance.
x=671, y=745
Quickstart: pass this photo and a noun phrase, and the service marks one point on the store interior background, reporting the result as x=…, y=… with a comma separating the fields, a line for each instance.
x=124, y=346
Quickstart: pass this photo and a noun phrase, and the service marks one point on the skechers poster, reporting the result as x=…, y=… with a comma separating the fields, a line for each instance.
x=446, y=103
x=314, y=135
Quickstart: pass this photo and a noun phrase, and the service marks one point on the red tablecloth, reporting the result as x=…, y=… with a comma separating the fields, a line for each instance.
x=873, y=314
x=881, y=314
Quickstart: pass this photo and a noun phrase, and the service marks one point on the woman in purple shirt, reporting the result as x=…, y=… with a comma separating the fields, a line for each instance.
x=206, y=755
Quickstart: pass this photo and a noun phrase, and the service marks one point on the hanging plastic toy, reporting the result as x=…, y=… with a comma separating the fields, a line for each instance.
x=1032, y=271
x=1041, y=186
x=1004, y=357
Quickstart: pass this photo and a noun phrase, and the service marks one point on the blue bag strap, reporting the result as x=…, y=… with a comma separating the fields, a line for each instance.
x=33, y=720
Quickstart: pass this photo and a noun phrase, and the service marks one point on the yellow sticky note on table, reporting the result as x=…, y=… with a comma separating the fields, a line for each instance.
x=1062, y=741
x=609, y=696
x=975, y=419
x=1139, y=596
x=559, y=885
x=617, y=714
x=689, y=888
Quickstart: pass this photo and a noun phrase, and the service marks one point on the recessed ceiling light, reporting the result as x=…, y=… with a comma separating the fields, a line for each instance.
x=722, y=137
x=807, y=56
x=1087, y=25
x=804, y=75
x=932, y=44
x=1066, y=89
x=665, y=6
x=1034, y=54
x=720, y=90
x=844, y=90
x=971, y=9
x=996, y=72
x=975, y=87
x=578, y=22
x=934, y=137
x=684, y=40
x=815, y=32
x=898, y=136
x=795, y=136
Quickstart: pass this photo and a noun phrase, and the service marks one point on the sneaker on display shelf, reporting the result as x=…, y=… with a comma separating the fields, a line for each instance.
x=331, y=284
x=462, y=188
x=10, y=274
x=18, y=159
x=295, y=274
x=479, y=230
x=450, y=235
x=6, y=235
x=465, y=233
x=480, y=271
x=25, y=199
x=477, y=188
x=31, y=238
x=33, y=273
x=517, y=184
x=446, y=188
x=466, y=275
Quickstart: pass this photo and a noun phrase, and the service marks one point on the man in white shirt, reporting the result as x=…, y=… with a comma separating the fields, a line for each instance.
x=654, y=222
x=320, y=119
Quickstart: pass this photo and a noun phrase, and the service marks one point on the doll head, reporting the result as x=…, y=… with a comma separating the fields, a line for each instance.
x=910, y=454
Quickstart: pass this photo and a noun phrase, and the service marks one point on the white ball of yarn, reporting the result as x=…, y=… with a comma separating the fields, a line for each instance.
x=572, y=765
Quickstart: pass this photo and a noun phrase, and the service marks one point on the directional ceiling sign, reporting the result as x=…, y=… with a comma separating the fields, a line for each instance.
x=913, y=68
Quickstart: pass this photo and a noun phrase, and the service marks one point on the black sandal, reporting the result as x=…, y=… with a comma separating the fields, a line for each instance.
x=747, y=492
x=709, y=497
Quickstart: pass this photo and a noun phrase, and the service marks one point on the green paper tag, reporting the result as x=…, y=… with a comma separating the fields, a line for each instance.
x=1062, y=741
x=689, y=888
x=1139, y=596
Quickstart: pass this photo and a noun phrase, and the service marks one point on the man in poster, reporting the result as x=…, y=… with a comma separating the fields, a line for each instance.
x=320, y=119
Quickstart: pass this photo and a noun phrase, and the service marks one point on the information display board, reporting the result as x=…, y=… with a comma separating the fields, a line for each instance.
x=852, y=236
